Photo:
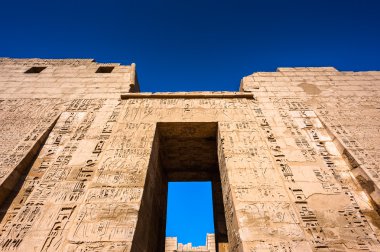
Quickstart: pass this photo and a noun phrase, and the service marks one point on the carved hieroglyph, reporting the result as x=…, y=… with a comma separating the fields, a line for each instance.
x=83, y=163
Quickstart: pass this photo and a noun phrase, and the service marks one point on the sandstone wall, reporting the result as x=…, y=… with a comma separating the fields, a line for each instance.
x=64, y=78
x=30, y=104
x=346, y=103
x=38, y=110
x=298, y=170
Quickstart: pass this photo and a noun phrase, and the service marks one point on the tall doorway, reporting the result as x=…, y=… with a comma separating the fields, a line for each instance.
x=181, y=152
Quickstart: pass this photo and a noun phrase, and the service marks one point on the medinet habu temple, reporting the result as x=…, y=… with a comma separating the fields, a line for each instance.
x=85, y=158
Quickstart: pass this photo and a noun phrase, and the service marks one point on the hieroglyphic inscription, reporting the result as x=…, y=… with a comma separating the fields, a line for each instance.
x=104, y=222
x=331, y=176
x=59, y=177
x=285, y=183
x=21, y=128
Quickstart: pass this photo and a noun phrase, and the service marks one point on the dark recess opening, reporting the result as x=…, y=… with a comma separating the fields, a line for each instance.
x=35, y=70
x=105, y=69
x=180, y=152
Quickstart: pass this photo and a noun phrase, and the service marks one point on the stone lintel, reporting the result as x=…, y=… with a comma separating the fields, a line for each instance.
x=200, y=95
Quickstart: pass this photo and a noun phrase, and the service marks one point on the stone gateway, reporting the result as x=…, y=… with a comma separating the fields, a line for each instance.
x=85, y=158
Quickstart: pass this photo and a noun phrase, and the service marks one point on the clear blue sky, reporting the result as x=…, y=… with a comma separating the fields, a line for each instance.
x=190, y=214
x=197, y=44
x=181, y=45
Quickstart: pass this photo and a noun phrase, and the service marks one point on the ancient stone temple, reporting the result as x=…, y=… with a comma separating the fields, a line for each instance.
x=172, y=245
x=85, y=158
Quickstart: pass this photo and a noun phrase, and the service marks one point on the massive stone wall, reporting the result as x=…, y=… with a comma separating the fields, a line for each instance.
x=90, y=170
x=39, y=114
x=64, y=78
x=22, y=133
x=31, y=102
x=346, y=103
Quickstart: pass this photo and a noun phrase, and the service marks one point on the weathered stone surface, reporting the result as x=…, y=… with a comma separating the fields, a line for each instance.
x=171, y=245
x=84, y=164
